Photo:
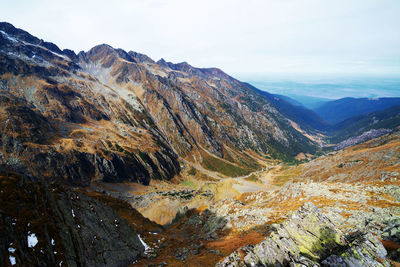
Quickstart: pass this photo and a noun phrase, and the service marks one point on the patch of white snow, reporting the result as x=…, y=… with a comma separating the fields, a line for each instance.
x=32, y=240
x=12, y=260
x=146, y=247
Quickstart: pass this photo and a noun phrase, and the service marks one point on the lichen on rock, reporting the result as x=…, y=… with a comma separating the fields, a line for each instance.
x=309, y=238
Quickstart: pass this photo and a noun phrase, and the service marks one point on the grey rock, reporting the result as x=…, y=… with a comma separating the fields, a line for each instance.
x=70, y=227
x=365, y=250
x=309, y=238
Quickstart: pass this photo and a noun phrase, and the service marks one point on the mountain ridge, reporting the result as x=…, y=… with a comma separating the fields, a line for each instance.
x=163, y=110
x=339, y=110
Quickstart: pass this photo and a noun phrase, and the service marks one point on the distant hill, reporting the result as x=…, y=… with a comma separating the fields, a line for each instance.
x=356, y=126
x=310, y=102
x=307, y=118
x=339, y=110
x=289, y=99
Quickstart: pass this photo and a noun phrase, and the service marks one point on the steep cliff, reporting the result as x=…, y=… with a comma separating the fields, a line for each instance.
x=45, y=224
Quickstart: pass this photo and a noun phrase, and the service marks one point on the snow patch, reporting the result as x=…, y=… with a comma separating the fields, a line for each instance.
x=12, y=260
x=15, y=40
x=12, y=39
x=73, y=214
x=52, y=242
x=11, y=250
x=32, y=240
x=147, y=249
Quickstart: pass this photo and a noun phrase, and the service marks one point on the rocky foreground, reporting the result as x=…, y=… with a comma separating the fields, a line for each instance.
x=201, y=223
x=309, y=238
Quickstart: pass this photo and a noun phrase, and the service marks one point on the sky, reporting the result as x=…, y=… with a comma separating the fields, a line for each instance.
x=247, y=39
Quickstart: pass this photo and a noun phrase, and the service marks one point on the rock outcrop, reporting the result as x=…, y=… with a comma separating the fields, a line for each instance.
x=309, y=238
x=45, y=224
x=368, y=135
x=391, y=233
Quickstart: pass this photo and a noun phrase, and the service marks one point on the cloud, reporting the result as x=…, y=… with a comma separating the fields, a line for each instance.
x=240, y=37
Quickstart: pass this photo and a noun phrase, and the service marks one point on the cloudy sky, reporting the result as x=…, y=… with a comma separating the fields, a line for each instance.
x=244, y=38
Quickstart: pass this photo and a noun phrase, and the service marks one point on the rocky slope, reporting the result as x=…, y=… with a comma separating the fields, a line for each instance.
x=45, y=224
x=309, y=238
x=361, y=128
x=356, y=188
x=115, y=115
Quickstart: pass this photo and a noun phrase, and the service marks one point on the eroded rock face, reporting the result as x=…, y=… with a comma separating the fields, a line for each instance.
x=309, y=238
x=119, y=116
x=49, y=225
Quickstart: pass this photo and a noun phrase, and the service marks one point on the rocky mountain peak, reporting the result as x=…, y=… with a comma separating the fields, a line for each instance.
x=15, y=34
x=100, y=51
x=107, y=55
x=142, y=58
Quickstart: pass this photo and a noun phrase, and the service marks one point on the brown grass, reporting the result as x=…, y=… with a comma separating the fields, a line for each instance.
x=231, y=243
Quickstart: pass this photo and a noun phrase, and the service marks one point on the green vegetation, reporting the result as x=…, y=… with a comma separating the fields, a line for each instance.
x=109, y=144
x=144, y=117
x=142, y=155
x=188, y=183
x=218, y=165
x=248, y=162
x=118, y=148
x=286, y=174
x=106, y=152
x=228, y=156
x=388, y=119
x=129, y=154
x=192, y=171
x=252, y=178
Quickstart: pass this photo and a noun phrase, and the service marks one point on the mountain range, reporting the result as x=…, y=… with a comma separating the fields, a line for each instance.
x=103, y=149
x=115, y=115
x=345, y=108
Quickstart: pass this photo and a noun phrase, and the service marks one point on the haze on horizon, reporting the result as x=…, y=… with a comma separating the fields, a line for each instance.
x=248, y=40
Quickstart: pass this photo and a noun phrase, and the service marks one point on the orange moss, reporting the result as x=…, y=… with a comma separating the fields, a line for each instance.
x=382, y=203
x=231, y=243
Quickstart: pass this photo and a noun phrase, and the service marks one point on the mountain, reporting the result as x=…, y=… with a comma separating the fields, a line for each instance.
x=339, y=110
x=310, y=101
x=379, y=122
x=305, y=117
x=289, y=99
x=114, y=115
x=109, y=158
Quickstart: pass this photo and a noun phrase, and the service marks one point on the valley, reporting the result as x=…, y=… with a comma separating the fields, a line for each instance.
x=354, y=187
x=109, y=158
